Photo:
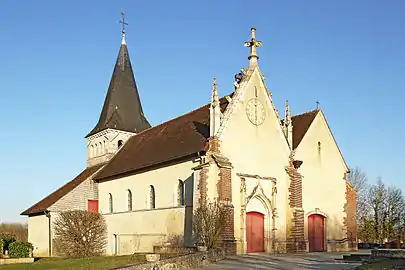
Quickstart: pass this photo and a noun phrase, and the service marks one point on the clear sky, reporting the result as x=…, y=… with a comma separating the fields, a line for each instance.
x=56, y=60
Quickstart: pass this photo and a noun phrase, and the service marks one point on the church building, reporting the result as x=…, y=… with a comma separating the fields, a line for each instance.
x=282, y=181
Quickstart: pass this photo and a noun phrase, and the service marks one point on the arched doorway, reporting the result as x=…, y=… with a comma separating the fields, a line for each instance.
x=316, y=233
x=255, y=232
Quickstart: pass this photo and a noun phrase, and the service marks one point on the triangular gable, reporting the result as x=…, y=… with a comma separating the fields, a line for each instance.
x=301, y=125
x=334, y=140
x=239, y=94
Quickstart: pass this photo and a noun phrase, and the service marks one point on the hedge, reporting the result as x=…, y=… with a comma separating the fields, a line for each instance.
x=20, y=250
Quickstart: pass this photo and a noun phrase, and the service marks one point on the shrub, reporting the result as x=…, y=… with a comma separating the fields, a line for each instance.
x=20, y=250
x=6, y=240
x=80, y=234
x=208, y=221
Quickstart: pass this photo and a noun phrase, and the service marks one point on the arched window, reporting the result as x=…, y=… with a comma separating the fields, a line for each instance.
x=129, y=200
x=120, y=142
x=91, y=151
x=110, y=203
x=319, y=148
x=101, y=148
x=105, y=149
x=152, y=197
x=180, y=193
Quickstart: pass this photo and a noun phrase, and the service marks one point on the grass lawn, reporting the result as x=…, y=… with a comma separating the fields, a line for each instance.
x=385, y=264
x=81, y=264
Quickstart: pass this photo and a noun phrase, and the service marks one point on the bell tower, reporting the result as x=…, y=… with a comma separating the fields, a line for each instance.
x=122, y=115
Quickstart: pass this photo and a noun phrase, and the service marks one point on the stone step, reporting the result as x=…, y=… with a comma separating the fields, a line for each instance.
x=356, y=257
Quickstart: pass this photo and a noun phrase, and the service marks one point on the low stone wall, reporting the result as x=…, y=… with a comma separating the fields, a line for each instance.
x=16, y=260
x=388, y=253
x=179, y=262
x=173, y=250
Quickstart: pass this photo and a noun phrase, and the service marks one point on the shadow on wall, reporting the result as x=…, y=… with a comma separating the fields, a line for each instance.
x=130, y=243
x=188, y=218
x=336, y=234
x=179, y=224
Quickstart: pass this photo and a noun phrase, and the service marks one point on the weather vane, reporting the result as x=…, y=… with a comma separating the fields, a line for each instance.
x=317, y=104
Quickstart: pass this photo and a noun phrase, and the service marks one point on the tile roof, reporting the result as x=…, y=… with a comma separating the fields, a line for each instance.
x=178, y=138
x=45, y=203
x=301, y=124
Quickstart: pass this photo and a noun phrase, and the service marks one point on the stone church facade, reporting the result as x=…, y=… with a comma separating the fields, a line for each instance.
x=282, y=181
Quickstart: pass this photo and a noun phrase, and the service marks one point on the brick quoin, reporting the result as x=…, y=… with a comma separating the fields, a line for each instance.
x=225, y=197
x=224, y=185
x=295, y=240
x=202, y=186
x=350, y=219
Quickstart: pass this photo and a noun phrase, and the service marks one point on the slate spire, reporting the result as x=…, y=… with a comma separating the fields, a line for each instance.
x=122, y=108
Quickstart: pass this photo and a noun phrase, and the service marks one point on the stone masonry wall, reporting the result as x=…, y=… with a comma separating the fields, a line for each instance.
x=189, y=261
x=77, y=198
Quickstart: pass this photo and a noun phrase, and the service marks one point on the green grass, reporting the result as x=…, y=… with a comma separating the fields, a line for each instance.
x=81, y=264
x=384, y=264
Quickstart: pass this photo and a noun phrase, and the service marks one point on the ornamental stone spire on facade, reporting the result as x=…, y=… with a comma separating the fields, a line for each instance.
x=215, y=110
x=287, y=124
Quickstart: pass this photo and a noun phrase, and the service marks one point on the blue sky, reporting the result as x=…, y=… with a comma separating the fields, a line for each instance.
x=56, y=60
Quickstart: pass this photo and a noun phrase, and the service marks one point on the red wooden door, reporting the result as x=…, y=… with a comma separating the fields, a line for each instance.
x=255, y=232
x=316, y=233
x=92, y=206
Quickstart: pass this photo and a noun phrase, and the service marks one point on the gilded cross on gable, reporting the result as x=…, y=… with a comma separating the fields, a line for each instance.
x=253, y=44
x=123, y=22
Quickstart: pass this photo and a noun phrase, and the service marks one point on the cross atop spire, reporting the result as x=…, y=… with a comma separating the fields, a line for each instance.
x=253, y=44
x=122, y=21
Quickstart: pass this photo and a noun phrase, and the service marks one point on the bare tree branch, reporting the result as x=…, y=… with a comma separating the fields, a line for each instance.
x=80, y=234
x=208, y=221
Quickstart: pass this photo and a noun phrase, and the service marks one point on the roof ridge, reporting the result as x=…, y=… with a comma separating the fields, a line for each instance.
x=182, y=115
x=304, y=113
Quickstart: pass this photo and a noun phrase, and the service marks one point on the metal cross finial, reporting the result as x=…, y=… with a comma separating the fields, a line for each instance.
x=317, y=104
x=253, y=44
x=122, y=21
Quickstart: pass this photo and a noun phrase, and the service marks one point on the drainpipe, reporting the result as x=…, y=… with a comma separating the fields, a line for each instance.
x=48, y=215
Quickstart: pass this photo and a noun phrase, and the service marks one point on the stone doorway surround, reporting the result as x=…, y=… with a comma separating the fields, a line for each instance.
x=268, y=202
x=319, y=212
